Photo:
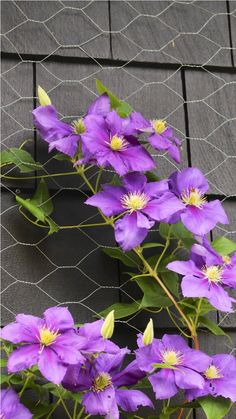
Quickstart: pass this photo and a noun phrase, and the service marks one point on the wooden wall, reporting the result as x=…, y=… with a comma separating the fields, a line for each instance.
x=168, y=59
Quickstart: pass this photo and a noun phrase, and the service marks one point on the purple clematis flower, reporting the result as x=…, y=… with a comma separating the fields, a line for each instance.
x=11, y=407
x=112, y=143
x=65, y=137
x=161, y=137
x=205, y=275
x=185, y=365
x=198, y=215
x=101, y=380
x=141, y=203
x=220, y=379
x=92, y=340
x=52, y=343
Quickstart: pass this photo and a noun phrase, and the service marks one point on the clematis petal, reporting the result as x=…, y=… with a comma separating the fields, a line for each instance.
x=174, y=342
x=154, y=189
x=190, y=178
x=17, y=333
x=49, y=126
x=220, y=299
x=194, y=287
x=99, y=402
x=51, y=366
x=163, y=384
x=130, y=400
x=129, y=375
x=127, y=233
x=100, y=106
x=22, y=358
x=196, y=360
x=184, y=268
x=134, y=182
x=163, y=207
x=107, y=202
x=67, y=145
x=58, y=318
x=186, y=378
x=77, y=378
x=137, y=158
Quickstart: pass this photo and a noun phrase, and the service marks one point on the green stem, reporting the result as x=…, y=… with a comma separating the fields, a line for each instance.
x=39, y=176
x=98, y=179
x=75, y=410
x=83, y=225
x=198, y=312
x=164, y=250
x=80, y=171
x=176, y=324
x=25, y=385
x=54, y=408
x=64, y=405
x=189, y=413
x=168, y=293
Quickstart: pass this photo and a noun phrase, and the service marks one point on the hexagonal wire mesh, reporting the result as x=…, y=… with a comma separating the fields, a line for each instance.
x=168, y=59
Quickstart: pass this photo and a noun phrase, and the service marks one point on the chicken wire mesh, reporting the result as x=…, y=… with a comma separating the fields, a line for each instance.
x=169, y=59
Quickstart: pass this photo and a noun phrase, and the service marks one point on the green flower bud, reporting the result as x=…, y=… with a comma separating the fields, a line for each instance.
x=148, y=334
x=44, y=99
x=108, y=326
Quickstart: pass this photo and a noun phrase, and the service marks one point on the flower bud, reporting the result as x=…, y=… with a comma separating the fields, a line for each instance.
x=148, y=334
x=44, y=99
x=108, y=326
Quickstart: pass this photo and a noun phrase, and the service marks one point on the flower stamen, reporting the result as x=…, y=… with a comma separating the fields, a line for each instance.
x=101, y=382
x=213, y=273
x=118, y=143
x=134, y=201
x=78, y=126
x=47, y=336
x=171, y=357
x=159, y=125
x=193, y=197
x=212, y=372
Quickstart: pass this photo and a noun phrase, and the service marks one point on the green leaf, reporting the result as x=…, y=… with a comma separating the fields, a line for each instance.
x=213, y=327
x=178, y=232
x=150, y=245
x=215, y=408
x=163, y=365
x=4, y=378
x=153, y=296
x=152, y=177
x=61, y=157
x=20, y=158
x=223, y=246
x=122, y=108
x=42, y=198
x=189, y=306
x=129, y=258
x=32, y=208
x=53, y=228
x=3, y=363
x=122, y=309
x=171, y=280
x=41, y=410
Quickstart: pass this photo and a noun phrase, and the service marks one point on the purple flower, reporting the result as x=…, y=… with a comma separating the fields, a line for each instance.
x=62, y=136
x=220, y=378
x=52, y=343
x=161, y=136
x=101, y=380
x=11, y=407
x=198, y=215
x=185, y=365
x=111, y=142
x=205, y=275
x=92, y=340
x=141, y=203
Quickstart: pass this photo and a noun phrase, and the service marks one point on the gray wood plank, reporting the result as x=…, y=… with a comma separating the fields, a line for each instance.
x=187, y=33
x=66, y=268
x=46, y=28
x=211, y=113
x=232, y=8
x=16, y=107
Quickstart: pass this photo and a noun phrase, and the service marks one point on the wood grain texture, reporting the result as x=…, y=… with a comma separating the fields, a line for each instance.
x=211, y=114
x=166, y=32
x=35, y=28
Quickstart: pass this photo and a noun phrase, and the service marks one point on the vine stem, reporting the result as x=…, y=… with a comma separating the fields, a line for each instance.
x=168, y=293
x=64, y=405
x=38, y=176
x=25, y=385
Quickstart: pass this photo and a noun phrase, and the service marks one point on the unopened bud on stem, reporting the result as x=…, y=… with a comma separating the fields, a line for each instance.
x=108, y=325
x=148, y=334
x=44, y=99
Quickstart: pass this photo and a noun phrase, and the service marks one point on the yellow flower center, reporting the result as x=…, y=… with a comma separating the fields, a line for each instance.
x=193, y=197
x=134, y=201
x=213, y=273
x=47, y=336
x=159, y=125
x=101, y=382
x=171, y=357
x=212, y=372
x=226, y=260
x=79, y=126
x=117, y=143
